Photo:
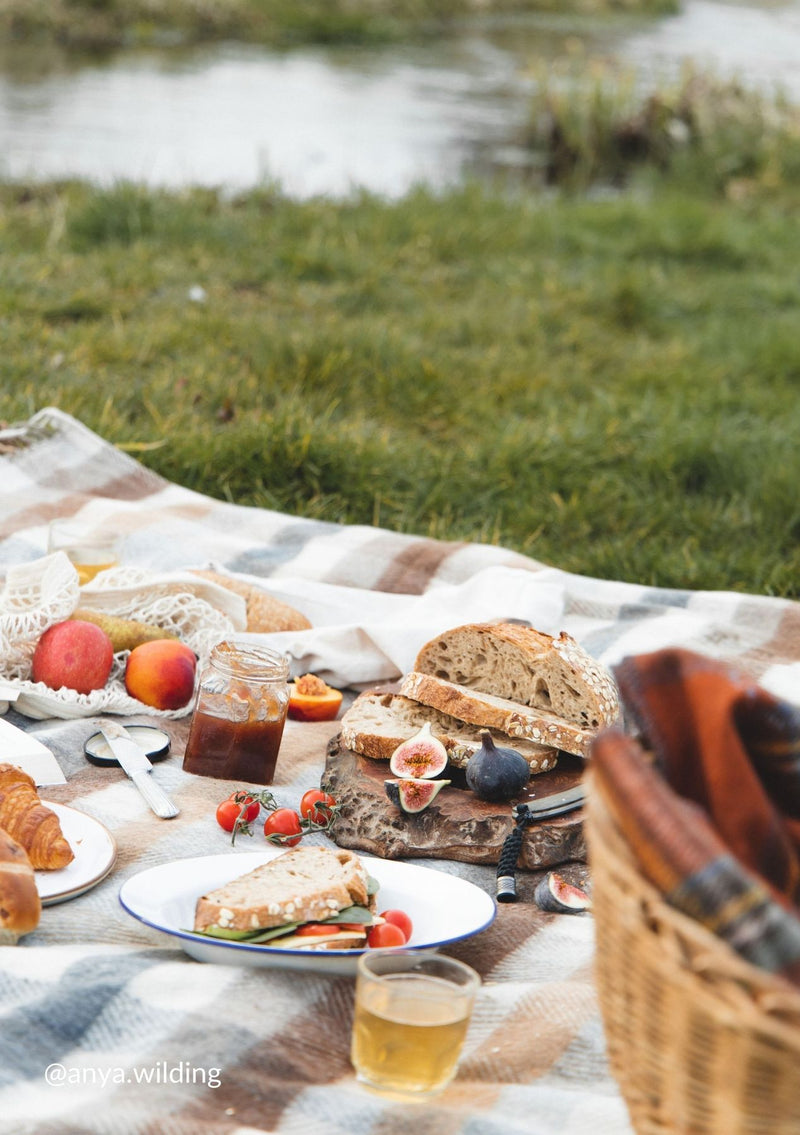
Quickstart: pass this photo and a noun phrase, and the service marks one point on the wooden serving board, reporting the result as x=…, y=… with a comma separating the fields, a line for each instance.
x=456, y=825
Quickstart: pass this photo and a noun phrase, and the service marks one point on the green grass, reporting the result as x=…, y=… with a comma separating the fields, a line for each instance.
x=102, y=24
x=610, y=386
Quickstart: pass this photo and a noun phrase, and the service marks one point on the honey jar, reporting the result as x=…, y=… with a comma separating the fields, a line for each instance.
x=239, y=713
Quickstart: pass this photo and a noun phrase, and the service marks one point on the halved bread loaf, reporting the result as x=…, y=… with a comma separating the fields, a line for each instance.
x=302, y=885
x=491, y=712
x=524, y=666
x=376, y=723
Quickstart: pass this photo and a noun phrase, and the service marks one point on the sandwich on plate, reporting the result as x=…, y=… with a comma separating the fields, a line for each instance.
x=309, y=898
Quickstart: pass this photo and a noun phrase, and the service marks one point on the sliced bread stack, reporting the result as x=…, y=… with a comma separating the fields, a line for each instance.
x=533, y=692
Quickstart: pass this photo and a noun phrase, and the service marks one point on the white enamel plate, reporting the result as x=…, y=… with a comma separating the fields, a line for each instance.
x=442, y=908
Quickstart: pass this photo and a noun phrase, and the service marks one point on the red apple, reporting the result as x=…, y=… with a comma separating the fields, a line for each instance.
x=74, y=654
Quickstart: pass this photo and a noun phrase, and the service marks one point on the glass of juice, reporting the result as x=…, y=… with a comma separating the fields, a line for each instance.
x=90, y=551
x=412, y=1011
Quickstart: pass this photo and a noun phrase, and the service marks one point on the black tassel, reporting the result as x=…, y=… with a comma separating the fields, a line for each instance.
x=507, y=866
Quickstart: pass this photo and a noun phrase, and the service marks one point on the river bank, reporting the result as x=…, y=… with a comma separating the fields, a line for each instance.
x=103, y=24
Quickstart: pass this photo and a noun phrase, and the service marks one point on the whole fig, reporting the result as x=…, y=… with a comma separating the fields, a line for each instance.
x=495, y=773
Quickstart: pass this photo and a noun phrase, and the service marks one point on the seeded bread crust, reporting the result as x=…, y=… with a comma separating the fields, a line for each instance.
x=306, y=884
x=489, y=712
x=376, y=723
x=526, y=666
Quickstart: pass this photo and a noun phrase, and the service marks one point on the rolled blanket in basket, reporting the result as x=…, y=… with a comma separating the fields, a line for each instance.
x=709, y=801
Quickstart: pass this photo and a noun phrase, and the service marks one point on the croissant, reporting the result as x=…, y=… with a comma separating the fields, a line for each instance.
x=20, y=905
x=30, y=822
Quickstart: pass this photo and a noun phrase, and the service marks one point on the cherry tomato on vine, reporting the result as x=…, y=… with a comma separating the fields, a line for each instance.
x=315, y=805
x=252, y=805
x=386, y=934
x=283, y=827
x=229, y=812
x=400, y=919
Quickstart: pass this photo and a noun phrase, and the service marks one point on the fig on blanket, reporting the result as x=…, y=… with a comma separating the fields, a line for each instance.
x=554, y=894
x=73, y=654
x=161, y=673
x=413, y=794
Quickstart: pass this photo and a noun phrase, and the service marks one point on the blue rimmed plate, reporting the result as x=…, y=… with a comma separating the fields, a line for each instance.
x=442, y=907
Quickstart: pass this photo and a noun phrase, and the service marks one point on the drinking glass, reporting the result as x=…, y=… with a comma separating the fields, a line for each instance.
x=90, y=551
x=412, y=1011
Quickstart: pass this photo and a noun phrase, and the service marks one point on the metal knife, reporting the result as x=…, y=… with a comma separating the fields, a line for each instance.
x=558, y=804
x=138, y=767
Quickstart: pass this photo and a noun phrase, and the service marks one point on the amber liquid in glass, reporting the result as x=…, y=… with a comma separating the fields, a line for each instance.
x=233, y=750
x=87, y=571
x=408, y=1033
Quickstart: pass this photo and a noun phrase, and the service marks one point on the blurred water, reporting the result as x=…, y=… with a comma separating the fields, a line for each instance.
x=327, y=121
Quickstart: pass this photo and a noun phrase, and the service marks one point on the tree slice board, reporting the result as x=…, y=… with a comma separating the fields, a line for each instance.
x=456, y=825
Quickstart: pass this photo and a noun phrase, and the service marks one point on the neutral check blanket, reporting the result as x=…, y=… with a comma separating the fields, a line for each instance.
x=152, y=1042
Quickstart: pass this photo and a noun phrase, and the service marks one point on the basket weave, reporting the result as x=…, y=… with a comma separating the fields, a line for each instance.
x=699, y=1041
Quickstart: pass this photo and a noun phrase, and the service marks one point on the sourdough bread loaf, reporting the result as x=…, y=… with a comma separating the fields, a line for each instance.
x=376, y=723
x=554, y=675
x=495, y=713
x=306, y=884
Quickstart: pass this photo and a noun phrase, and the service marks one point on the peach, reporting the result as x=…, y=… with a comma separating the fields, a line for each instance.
x=74, y=654
x=161, y=673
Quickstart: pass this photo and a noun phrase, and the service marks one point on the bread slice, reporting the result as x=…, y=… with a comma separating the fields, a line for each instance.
x=525, y=666
x=376, y=723
x=491, y=712
x=306, y=884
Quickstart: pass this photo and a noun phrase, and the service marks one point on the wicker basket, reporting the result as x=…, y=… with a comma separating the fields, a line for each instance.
x=699, y=1041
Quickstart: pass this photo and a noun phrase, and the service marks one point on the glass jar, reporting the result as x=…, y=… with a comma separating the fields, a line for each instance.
x=239, y=714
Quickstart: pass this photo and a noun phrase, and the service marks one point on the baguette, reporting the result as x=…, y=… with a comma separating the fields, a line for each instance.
x=490, y=712
x=524, y=666
x=30, y=822
x=20, y=905
x=376, y=723
x=264, y=613
x=303, y=885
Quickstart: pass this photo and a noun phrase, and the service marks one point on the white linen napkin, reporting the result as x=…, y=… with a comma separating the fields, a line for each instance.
x=21, y=749
x=360, y=637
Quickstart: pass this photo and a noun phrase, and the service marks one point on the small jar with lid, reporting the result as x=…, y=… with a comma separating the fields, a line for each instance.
x=239, y=713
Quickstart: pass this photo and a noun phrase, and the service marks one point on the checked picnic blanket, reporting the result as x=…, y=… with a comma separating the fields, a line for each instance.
x=149, y=1041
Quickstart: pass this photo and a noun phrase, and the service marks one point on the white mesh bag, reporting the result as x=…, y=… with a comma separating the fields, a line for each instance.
x=46, y=591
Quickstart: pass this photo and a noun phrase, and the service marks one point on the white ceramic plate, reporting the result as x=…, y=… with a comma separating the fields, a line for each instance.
x=443, y=908
x=95, y=852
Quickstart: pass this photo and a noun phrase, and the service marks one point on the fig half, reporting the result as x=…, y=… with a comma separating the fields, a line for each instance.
x=422, y=756
x=553, y=893
x=413, y=794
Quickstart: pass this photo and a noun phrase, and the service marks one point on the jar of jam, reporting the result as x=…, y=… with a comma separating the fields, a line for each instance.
x=239, y=714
